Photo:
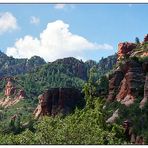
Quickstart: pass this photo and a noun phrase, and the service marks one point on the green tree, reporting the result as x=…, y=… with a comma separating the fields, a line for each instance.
x=137, y=41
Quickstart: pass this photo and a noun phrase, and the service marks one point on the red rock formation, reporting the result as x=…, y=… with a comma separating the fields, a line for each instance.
x=21, y=93
x=57, y=100
x=9, y=89
x=41, y=109
x=146, y=38
x=125, y=49
x=13, y=95
x=122, y=90
x=128, y=87
x=114, y=83
x=145, y=54
x=131, y=84
x=144, y=100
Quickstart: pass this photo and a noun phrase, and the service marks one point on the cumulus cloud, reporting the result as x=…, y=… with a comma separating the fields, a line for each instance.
x=7, y=22
x=59, y=6
x=34, y=20
x=56, y=41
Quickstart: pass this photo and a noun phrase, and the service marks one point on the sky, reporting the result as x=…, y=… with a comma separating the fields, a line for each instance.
x=83, y=31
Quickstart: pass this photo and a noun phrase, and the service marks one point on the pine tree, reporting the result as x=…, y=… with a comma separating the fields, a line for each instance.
x=137, y=41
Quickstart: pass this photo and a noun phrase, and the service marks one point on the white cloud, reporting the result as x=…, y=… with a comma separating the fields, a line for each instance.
x=34, y=20
x=59, y=6
x=7, y=22
x=56, y=41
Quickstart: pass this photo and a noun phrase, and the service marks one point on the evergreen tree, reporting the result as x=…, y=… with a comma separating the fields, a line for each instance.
x=137, y=41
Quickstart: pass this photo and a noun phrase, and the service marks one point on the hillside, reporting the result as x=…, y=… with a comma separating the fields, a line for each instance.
x=35, y=78
x=10, y=66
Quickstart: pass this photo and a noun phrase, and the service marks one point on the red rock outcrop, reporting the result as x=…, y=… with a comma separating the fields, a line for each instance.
x=114, y=83
x=131, y=84
x=125, y=49
x=9, y=89
x=57, y=100
x=146, y=38
x=21, y=94
x=12, y=95
x=126, y=86
x=144, y=100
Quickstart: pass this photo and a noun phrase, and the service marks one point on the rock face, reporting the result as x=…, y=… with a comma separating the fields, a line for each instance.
x=125, y=49
x=113, y=118
x=131, y=84
x=114, y=83
x=128, y=84
x=9, y=89
x=125, y=86
x=58, y=100
x=12, y=95
x=146, y=38
x=127, y=81
x=144, y=100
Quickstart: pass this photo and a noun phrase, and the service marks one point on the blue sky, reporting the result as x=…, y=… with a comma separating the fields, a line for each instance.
x=93, y=31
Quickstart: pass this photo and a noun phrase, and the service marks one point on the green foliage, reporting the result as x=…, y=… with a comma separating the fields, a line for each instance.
x=85, y=126
x=143, y=59
x=103, y=85
x=137, y=116
x=137, y=41
x=95, y=87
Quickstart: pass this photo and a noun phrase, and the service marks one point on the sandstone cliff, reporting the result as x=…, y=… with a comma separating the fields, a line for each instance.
x=128, y=84
x=58, y=100
x=129, y=77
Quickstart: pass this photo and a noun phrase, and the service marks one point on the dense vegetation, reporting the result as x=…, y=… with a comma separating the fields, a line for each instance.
x=86, y=126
